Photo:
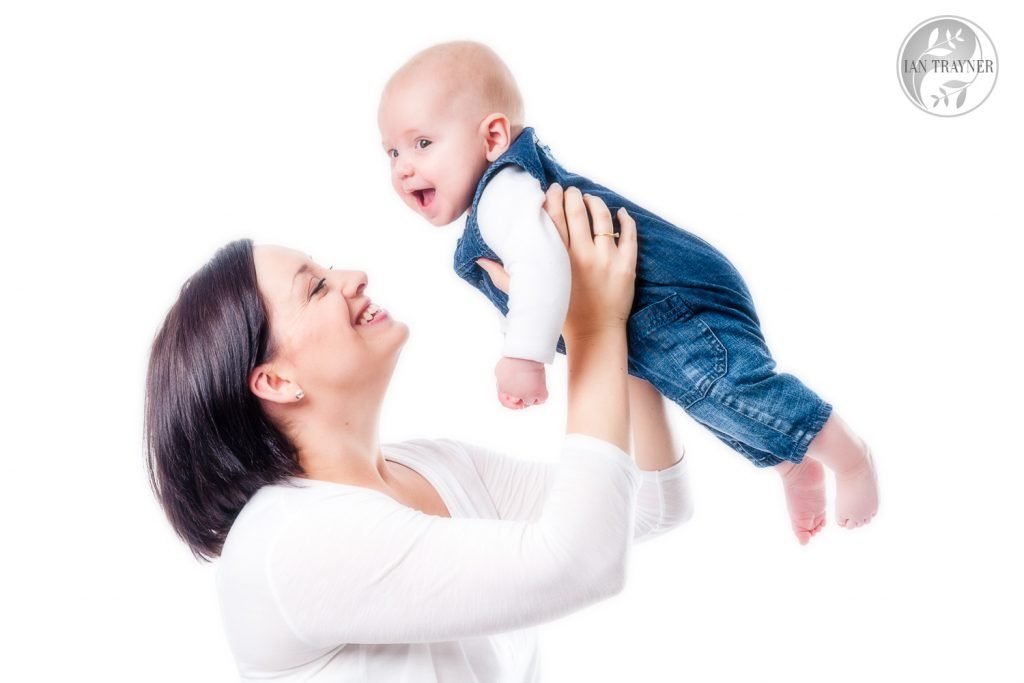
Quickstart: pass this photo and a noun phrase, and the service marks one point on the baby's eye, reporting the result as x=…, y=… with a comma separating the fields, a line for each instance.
x=422, y=143
x=393, y=153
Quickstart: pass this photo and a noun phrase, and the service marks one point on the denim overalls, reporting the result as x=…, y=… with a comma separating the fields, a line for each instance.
x=693, y=332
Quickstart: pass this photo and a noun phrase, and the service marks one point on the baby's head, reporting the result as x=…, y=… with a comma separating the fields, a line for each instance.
x=444, y=116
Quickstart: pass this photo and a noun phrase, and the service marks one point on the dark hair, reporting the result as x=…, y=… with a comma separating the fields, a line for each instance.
x=209, y=445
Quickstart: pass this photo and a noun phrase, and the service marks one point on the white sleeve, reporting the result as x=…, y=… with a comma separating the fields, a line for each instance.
x=384, y=573
x=664, y=500
x=514, y=224
x=519, y=488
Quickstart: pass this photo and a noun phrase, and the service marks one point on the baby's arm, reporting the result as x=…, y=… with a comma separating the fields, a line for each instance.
x=514, y=224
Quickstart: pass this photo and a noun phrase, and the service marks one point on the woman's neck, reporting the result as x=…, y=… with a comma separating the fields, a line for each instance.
x=341, y=445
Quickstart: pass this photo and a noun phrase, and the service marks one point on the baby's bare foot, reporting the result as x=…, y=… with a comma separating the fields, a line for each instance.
x=849, y=458
x=805, y=496
x=857, y=492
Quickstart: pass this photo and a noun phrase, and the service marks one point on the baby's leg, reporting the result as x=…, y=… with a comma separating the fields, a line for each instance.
x=849, y=458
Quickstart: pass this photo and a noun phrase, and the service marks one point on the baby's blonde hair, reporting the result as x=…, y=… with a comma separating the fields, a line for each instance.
x=471, y=73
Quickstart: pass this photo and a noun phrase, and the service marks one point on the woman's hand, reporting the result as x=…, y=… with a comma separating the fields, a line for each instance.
x=603, y=262
x=603, y=271
x=603, y=266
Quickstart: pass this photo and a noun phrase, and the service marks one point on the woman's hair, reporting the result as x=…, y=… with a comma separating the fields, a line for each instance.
x=209, y=445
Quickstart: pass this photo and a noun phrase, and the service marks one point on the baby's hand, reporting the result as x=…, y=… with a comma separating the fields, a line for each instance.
x=520, y=383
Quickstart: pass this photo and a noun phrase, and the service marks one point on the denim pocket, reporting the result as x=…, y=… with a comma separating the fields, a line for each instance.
x=675, y=350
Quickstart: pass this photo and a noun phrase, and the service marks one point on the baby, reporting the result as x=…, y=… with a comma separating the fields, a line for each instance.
x=452, y=122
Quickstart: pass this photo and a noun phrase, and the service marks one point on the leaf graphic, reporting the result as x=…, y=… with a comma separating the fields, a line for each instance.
x=943, y=90
x=945, y=101
x=960, y=98
x=954, y=84
x=933, y=36
x=936, y=103
x=948, y=35
x=939, y=51
x=958, y=33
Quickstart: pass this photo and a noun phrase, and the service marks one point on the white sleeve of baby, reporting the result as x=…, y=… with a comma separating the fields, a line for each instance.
x=514, y=224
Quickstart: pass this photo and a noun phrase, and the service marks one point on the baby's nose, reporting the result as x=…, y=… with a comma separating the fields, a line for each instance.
x=405, y=169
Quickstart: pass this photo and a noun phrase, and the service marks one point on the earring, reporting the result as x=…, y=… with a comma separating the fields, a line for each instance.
x=299, y=394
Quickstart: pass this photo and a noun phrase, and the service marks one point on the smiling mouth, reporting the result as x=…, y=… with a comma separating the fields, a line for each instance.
x=370, y=314
x=424, y=197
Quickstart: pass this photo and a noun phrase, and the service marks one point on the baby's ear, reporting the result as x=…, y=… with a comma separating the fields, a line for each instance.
x=497, y=134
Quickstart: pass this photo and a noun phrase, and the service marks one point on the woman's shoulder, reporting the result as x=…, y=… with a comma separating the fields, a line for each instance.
x=430, y=449
x=462, y=459
x=276, y=507
x=273, y=507
x=444, y=458
x=275, y=504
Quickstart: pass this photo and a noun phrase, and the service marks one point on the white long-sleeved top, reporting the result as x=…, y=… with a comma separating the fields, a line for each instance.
x=513, y=223
x=326, y=581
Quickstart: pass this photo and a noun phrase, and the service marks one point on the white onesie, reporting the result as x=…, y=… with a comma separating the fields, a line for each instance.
x=513, y=223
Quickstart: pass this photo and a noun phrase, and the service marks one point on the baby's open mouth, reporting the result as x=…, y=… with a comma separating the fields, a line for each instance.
x=424, y=197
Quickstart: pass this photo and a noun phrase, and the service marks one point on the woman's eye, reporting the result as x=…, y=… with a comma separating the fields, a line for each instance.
x=422, y=143
x=319, y=286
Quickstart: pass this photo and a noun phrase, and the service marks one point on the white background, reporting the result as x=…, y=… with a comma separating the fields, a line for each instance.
x=882, y=246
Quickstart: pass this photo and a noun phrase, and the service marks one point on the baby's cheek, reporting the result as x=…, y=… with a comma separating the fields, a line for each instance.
x=464, y=198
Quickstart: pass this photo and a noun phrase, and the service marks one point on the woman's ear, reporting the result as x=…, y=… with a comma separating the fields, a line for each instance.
x=266, y=383
x=497, y=133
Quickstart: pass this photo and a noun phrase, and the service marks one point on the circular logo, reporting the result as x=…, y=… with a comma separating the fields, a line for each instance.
x=947, y=66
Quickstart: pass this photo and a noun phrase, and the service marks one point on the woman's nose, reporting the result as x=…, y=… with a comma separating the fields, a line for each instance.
x=353, y=283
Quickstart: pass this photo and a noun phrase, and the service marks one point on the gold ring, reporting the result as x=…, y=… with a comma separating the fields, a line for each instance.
x=606, y=234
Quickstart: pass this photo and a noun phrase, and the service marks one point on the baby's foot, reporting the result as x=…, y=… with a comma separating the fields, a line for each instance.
x=857, y=492
x=805, y=496
x=849, y=458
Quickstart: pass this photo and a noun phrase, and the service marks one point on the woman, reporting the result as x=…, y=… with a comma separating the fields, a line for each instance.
x=343, y=560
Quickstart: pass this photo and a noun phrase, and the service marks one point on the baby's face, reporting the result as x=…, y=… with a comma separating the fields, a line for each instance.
x=437, y=155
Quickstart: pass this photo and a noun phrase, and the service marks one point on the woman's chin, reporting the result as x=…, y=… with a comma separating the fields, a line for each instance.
x=394, y=331
x=402, y=330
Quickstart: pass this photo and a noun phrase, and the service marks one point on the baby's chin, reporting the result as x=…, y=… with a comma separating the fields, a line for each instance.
x=442, y=221
x=446, y=216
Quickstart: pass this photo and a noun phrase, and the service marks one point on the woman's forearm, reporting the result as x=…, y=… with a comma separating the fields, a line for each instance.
x=598, y=394
x=654, y=447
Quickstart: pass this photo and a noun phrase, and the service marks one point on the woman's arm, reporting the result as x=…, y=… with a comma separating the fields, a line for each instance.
x=518, y=488
x=665, y=499
x=603, y=274
x=603, y=271
x=358, y=567
x=385, y=573
x=654, y=447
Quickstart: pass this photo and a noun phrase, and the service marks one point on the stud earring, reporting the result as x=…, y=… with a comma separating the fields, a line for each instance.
x=299, y=394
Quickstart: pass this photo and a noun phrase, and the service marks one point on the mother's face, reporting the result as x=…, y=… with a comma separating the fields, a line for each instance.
x=322, y=331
